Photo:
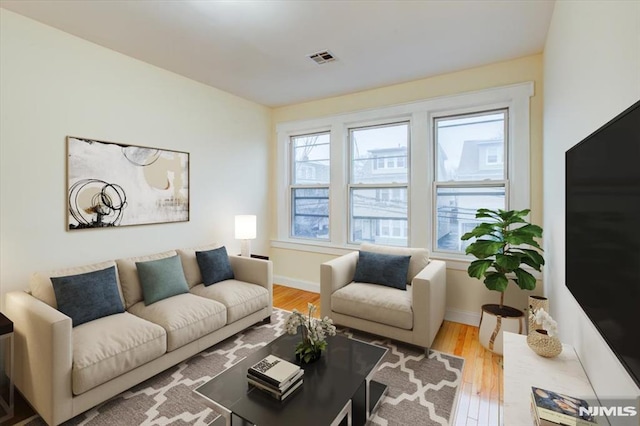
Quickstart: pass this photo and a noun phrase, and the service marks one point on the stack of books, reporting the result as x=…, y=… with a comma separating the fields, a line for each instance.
x=275, y=376
x=550, y=408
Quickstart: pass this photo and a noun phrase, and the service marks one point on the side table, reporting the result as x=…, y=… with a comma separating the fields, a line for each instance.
x=6, y=397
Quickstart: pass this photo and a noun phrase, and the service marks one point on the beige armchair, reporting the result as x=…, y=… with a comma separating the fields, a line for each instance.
x=413, y=315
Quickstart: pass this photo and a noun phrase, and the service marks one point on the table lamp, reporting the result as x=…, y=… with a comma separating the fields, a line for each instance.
x=245, y=231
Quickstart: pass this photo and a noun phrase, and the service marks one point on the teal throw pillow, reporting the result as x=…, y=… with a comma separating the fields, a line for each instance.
x=384, y=269
x=161, y=279
x=89, y=296
x=214, y=266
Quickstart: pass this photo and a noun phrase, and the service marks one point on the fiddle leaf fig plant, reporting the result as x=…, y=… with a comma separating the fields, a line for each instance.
x=503, y=245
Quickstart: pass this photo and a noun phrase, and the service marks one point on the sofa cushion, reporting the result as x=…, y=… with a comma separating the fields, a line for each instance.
x=89, y=296
x=111, y=346
x=419, y=256
x=214, y=265
x=239, y=297
x=185, y=317
x=384, y=269
x=42, y=288
x=129, y=280
x=385, y=305
x=190, y=263
x=161, y=278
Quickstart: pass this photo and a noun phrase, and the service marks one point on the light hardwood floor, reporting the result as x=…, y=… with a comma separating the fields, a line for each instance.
x=481, y=396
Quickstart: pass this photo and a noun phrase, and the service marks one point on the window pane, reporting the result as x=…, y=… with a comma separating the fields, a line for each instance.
x=456, y=211
x=470, y=147
x=310, y=213
x=379, y=154
x=311, y=159
x=378, y=218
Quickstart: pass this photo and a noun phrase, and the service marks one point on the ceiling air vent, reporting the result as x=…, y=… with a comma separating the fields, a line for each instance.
x=322, y=57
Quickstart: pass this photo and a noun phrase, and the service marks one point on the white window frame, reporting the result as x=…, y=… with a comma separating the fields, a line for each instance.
x=387, y=186
x=421, y=198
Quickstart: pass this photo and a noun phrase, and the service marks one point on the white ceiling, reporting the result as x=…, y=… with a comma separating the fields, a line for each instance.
x=258, y=49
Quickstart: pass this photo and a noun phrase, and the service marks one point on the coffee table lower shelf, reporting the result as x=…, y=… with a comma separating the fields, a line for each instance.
x=356, y=415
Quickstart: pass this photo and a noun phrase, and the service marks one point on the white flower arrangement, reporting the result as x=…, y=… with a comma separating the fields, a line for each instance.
x=542, y=317
x=314, y=332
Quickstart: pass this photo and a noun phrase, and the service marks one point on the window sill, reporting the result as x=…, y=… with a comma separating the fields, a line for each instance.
x=456, y=262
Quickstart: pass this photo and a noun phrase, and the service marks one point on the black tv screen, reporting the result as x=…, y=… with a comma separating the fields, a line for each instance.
x=603, y=232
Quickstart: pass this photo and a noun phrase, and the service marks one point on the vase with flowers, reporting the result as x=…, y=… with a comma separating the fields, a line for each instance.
x=314, y=333
x=543, y=338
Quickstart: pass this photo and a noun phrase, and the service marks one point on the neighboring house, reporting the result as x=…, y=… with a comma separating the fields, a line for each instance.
x=480, y=160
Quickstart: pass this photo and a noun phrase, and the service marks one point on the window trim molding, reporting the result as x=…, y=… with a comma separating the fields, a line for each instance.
x=515, y=97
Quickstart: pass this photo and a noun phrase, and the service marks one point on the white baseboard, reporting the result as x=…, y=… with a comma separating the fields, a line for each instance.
x=299, y=284
x=454, y=315
x=462, y=317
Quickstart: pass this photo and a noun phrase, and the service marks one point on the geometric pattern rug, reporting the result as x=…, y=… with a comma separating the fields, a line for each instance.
x=421, y=390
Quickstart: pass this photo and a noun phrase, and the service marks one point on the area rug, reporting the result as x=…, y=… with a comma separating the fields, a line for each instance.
x=422, y=390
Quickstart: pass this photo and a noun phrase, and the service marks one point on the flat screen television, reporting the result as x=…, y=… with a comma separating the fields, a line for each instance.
x=603, y=233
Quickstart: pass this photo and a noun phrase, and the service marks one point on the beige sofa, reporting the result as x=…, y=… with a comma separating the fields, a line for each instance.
x=413, y=315
x=63, y=370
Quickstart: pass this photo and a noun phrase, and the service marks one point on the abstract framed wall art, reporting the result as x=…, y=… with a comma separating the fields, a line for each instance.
x=112, y=184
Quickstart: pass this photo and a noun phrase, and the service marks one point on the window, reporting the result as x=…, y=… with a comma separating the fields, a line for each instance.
x=309, y=186
x=406, y=175
x=377, y=188
x=469, y=172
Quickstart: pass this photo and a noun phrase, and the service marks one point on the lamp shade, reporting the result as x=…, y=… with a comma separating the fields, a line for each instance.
x=245, y=227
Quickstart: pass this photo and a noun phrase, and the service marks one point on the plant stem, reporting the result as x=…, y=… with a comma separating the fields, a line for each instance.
x=501, y=299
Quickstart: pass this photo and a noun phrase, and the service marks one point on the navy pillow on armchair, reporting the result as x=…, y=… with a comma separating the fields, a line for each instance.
x=384, y=269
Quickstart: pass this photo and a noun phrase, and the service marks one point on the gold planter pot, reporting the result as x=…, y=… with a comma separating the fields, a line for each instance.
x=543, y=344
x=536, y=302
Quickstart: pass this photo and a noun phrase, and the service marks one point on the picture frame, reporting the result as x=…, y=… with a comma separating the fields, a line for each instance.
x=112, y=184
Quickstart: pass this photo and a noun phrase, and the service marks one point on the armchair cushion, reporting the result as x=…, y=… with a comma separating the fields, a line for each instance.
x=384, y=305
x=384, y=269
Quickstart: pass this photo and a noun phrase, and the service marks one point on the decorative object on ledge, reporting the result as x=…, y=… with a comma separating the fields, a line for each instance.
x=314, y=333
x=543, y=338
x=112, y=184
x=544, y=345
x=535, y=303
x=501, y=252
x=245, y=230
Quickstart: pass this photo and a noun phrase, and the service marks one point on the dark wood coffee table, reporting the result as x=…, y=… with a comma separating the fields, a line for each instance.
x=337, y=389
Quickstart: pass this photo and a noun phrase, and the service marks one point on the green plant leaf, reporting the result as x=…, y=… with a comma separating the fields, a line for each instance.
x=496, y=281
x=533, y=230
x=515, y=239
x=508, y=261
x=533, y=255
x=525, y=280
x=483, y=213
x=482, y=230
x=477, y=268
x=484, y=248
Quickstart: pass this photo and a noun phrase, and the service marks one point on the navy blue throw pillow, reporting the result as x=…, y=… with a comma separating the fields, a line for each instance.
x=384, y=269
x=89, y=296
x=214, y=266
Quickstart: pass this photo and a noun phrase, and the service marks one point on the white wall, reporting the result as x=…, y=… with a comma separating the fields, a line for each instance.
x=53, y=85
x=591, y=74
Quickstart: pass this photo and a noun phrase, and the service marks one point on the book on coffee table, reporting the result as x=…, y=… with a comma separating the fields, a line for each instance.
x=284, y=386
x=273, y=370
x=279, y=394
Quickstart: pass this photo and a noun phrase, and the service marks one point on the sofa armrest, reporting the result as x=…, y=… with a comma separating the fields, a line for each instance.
x=255, y=271
x=429, y=289
x=334, y=275
x=43, y=355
